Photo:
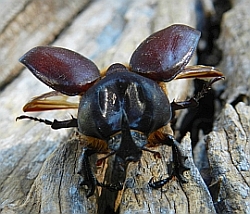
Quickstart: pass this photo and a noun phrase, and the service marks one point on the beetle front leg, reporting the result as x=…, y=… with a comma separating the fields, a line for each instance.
x=178, y=162
x=194, y=101
x=84, y=170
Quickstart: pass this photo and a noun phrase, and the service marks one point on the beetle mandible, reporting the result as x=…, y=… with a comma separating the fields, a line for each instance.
x=123, y=111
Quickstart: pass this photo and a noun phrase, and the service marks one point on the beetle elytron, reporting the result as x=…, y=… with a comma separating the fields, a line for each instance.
x=124, y=110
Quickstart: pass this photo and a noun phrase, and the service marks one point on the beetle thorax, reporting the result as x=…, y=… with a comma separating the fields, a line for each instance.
x=142, y=100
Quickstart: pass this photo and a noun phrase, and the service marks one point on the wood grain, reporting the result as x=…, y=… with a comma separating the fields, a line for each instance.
x=27, y=24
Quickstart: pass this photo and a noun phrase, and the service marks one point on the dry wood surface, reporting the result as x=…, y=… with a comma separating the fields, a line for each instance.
x=38, y=172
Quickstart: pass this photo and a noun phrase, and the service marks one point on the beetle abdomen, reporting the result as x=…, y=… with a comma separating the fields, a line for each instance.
x=144, y=102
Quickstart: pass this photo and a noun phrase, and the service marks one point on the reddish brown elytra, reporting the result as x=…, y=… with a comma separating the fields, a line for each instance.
x=63, y=70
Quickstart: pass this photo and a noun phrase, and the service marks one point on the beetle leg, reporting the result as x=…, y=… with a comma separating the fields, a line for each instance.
x=160, y=183
x=118, y=175
x=84, y=170
x=193, y=102
x=178, y=162
x=101, y=160
x=207, y=87
x=88, y=178
x=55, y=124
x=111, y=187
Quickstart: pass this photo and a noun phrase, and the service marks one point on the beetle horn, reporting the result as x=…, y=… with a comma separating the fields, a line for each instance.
x=128, y=150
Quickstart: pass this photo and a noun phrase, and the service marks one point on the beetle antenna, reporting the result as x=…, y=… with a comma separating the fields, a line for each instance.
x=55, y=124
x=47, y=122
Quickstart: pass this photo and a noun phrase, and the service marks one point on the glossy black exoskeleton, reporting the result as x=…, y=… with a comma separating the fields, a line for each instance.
x=123, y=95
x=123, y=111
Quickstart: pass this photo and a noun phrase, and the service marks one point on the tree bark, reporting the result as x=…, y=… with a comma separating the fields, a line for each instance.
x=38, y=171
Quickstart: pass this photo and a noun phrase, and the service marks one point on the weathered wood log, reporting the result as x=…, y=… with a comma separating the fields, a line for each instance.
x=38, y=171
x=234, y=42
x=228, y=154
x=228, y=145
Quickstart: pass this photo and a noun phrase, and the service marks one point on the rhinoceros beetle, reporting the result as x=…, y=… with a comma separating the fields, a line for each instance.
x=125, y=110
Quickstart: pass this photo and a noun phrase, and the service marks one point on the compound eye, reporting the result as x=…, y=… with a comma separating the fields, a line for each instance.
x=165, y=53
x=63, y=70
